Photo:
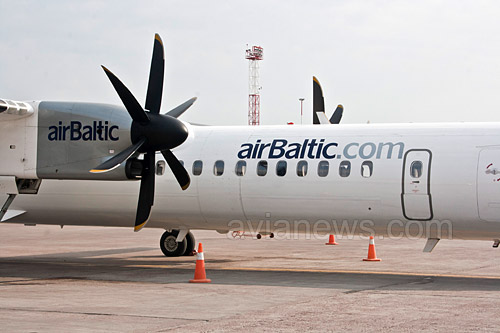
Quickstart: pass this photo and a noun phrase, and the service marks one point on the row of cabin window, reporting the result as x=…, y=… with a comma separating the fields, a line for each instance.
x=281, y=168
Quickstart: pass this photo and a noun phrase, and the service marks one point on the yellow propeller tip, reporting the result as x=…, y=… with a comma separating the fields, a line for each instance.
x=140, y=226
x=158, y=38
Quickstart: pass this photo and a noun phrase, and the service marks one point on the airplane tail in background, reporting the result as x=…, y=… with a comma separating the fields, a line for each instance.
x=318, y=101
x=319, y=115
x=337, y=115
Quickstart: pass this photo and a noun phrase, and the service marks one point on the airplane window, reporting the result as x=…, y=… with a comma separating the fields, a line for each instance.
x=323, y=168
x=302, y=168
x=367, y=169
x=160, y=168
x=241, y=168
x=345, y=169
x=219, y=168
x=181, y=162
x=416, y=169
x=197, y=167
x=281, y=168
x=262, y=168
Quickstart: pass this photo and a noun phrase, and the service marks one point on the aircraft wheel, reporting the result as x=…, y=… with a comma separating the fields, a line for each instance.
x=191, y=244
x=169, y=245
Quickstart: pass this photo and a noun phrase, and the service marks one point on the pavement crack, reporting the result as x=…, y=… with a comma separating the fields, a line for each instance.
x=23, y=282
x=419, y=281
x=384, y=292
x=100, y=314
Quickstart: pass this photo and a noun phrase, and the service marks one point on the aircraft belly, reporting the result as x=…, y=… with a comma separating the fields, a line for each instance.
x=101, y=203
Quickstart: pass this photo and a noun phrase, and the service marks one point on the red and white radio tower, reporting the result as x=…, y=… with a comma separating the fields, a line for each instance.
x=255, y=54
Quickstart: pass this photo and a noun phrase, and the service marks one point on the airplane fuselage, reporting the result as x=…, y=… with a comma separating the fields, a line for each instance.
x=414, y=180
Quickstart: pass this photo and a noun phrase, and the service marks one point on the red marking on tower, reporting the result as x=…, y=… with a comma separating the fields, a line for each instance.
x=254, y=54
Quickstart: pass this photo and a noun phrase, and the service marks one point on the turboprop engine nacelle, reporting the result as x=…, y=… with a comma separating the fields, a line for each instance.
x=75, y=137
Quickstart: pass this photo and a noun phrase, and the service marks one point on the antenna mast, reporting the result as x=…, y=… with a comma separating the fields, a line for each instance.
x=254, y=55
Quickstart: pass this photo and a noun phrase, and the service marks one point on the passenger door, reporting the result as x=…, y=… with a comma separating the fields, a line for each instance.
x=488, y=185
x=416, y=196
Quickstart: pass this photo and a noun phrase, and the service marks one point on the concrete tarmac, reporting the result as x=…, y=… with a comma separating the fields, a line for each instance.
x=82, y=279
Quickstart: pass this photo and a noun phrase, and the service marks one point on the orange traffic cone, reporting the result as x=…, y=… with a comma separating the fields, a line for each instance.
x=199, y=272
x=371, y=251
x=331, y=241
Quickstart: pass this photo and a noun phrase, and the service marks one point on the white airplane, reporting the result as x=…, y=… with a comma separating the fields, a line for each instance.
x=65, y=163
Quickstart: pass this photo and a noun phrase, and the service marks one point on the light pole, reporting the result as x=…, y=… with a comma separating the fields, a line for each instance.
x=301, y=109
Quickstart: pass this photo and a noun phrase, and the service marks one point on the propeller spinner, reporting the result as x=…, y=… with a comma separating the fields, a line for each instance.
x=150, y=132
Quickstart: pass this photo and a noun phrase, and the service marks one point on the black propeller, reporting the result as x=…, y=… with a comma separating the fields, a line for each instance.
x=150, y=132
x=318, y=100
x=337, y=114
x=319, y=106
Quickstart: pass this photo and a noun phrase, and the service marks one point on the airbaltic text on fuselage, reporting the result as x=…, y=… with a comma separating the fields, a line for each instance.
x=75, y=131
x=320, y=148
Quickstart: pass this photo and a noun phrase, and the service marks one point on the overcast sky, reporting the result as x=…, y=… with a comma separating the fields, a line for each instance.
x=385, y=61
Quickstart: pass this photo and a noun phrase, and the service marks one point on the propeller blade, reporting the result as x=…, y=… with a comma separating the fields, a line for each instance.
x=147, y=191
x=318, y=101
x=177, y=168
x=176, y=112
x=133, y=107
x=155, y=85
x=337, y=115
x=118, y=159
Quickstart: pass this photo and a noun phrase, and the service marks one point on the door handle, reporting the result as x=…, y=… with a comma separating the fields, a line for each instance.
x=492, y=171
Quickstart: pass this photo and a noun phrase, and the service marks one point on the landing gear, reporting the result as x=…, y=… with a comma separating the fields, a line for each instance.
x=171, y=248
x=169, y=245
x=191, y=245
